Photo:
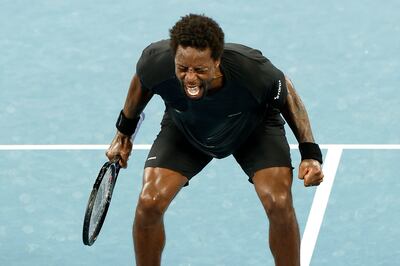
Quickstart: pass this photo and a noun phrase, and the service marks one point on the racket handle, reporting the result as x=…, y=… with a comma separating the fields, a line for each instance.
x=117, y=166
x=116, y=160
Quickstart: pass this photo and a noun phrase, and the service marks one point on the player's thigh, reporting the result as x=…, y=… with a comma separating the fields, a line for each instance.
x=172, y=151
x=273, y=180
x=161, y=184
x=267, y=147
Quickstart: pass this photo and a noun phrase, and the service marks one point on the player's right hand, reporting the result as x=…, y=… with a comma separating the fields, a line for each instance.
x=120, y=149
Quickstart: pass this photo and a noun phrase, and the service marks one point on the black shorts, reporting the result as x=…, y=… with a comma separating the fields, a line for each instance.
x=266, y=147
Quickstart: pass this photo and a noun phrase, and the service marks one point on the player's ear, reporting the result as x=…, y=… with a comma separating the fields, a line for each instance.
x=217, y=62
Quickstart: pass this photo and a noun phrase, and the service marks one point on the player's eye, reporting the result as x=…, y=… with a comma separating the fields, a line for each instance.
x=182, y=69
x=201, y=70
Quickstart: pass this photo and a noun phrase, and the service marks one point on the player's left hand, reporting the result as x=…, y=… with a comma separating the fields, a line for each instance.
x=311, y=172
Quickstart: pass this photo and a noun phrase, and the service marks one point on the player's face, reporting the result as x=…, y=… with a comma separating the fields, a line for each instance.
x=195, y=69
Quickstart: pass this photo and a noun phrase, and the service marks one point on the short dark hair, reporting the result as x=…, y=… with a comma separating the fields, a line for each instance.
x=198, y=31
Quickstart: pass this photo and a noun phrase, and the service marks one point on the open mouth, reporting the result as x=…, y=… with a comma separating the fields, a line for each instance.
x=194, y=92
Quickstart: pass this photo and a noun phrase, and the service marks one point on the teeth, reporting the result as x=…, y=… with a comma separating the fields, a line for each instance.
x=193, y=91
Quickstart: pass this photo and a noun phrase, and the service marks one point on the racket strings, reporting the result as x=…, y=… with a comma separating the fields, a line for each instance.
x=101, y=200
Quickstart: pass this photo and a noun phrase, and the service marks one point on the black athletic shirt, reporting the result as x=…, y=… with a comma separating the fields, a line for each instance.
x=221, y=121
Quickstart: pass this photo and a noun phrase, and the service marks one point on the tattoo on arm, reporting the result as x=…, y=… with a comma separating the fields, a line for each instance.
x=296, y=116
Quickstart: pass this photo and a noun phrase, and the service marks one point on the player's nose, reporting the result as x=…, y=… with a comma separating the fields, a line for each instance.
x=191, y=77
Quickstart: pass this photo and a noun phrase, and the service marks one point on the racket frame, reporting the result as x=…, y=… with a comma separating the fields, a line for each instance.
x=87, y=238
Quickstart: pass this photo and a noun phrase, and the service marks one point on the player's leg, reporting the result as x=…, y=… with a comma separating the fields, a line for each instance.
x=273, y=187
x=160, y=186
x=171, y=163
x=265, y=157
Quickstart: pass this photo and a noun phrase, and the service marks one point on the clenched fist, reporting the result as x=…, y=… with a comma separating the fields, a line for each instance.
x=311, y=172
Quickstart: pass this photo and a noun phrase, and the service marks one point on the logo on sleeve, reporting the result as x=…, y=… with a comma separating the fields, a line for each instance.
x=236, y=114
x=279, y=90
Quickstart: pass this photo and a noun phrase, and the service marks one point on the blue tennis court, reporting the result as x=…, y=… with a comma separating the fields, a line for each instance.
x=65, y=67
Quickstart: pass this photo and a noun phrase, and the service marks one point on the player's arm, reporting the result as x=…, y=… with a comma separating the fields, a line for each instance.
x=296, y=116
x=136, y=101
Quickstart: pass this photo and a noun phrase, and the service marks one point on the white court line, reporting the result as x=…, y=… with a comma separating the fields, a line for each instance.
x=10, y=147
x=321, y=196
x=356, y=146
x=319, y=204
x=44, y=147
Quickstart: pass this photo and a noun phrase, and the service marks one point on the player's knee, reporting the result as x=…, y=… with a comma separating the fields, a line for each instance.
x=155, y=197
x=151, y=204
x=278, y=205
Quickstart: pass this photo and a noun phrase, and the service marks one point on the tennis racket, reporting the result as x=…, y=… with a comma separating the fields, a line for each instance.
x=99, y=201
x=100, y=197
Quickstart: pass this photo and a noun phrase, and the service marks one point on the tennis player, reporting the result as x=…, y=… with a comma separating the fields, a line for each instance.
x=220, y=99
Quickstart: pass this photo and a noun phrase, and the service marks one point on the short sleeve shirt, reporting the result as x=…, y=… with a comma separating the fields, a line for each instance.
x=221, y=121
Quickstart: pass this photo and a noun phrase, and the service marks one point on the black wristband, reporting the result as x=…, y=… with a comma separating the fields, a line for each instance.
x=126, y=125
x=309, y=150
